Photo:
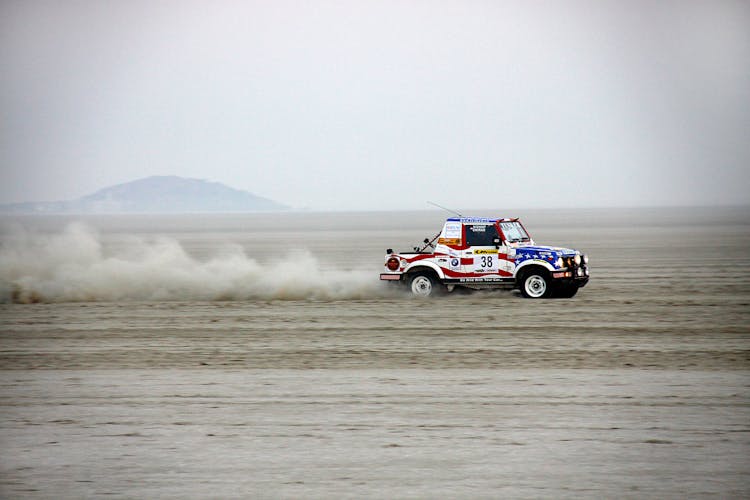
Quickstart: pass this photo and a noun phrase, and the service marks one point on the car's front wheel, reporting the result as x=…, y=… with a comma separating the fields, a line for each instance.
x=535, y=284
x=566, y=291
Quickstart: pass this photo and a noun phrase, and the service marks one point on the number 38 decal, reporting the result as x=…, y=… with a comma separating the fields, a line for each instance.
x=485, y=263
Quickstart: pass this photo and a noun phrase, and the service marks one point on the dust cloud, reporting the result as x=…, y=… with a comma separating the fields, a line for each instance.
x=75, y=265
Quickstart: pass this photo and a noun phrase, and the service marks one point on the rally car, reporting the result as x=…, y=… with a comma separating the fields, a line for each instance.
x=477, y=253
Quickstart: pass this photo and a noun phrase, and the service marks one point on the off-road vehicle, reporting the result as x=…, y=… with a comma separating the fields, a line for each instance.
x=477, y=253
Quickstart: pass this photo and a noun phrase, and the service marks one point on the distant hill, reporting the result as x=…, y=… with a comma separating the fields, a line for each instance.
x=158, y=194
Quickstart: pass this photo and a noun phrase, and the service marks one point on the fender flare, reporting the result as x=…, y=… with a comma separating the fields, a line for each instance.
x=429, y=265
x=534, y=262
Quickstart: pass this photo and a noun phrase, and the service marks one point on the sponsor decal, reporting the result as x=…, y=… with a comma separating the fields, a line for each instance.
x=449, y=241
x=471, y=220
x=452, y=230
x=479, y=280
x=483, y=251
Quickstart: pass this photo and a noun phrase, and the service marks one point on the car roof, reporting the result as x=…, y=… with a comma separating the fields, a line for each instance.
x=479, y=220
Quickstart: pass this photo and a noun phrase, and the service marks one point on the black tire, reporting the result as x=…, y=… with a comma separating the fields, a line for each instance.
x=535, y=283
x=565, y=291
x=424, y=285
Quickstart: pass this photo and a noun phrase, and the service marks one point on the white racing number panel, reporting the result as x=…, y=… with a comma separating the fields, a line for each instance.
x=485, y=261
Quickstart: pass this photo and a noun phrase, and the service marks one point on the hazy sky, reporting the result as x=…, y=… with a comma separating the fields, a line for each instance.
x=379, y=104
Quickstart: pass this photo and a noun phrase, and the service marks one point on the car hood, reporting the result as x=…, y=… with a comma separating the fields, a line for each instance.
x=542, y=252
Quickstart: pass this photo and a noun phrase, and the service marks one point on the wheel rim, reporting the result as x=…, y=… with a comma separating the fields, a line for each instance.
x=421, y=286
x=535, y=286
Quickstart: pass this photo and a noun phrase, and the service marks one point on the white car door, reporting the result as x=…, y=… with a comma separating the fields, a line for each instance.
x=482, y=256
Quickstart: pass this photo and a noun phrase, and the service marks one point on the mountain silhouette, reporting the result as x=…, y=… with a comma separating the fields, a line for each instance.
x=157, y=194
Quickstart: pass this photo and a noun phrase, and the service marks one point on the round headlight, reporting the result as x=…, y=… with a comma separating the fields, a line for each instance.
x=559, y=262
x=577, y=260
x=585, y=259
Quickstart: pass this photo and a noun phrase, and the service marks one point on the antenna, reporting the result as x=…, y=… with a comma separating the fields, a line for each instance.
x=446, y=209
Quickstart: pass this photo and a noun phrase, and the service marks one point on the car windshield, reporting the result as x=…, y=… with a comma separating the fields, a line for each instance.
x=513, y=231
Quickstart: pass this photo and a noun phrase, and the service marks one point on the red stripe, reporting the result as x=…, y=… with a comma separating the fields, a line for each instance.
x=424, y=256
x=457, y=274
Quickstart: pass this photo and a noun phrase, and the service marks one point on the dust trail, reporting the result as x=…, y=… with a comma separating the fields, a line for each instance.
x=73, y=266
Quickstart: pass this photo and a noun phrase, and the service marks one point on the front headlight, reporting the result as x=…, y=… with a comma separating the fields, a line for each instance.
x=559, y=262
x=577, y=260
x=585, y=259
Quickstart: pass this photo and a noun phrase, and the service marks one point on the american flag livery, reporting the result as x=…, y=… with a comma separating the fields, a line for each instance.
x=479, y=252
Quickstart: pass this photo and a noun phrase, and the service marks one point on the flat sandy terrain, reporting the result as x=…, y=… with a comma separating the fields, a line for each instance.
x=638, y=387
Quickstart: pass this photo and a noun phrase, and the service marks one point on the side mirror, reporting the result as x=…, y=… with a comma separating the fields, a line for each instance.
x=496, y=241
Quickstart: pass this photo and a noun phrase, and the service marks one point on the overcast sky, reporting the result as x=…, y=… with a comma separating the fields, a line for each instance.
x=379, y=104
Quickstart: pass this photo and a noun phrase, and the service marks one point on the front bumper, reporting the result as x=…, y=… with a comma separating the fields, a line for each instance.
x=575, y=275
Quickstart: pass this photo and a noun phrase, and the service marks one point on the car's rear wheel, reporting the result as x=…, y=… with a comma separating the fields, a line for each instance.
x=423, y=285
x=535, y=284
